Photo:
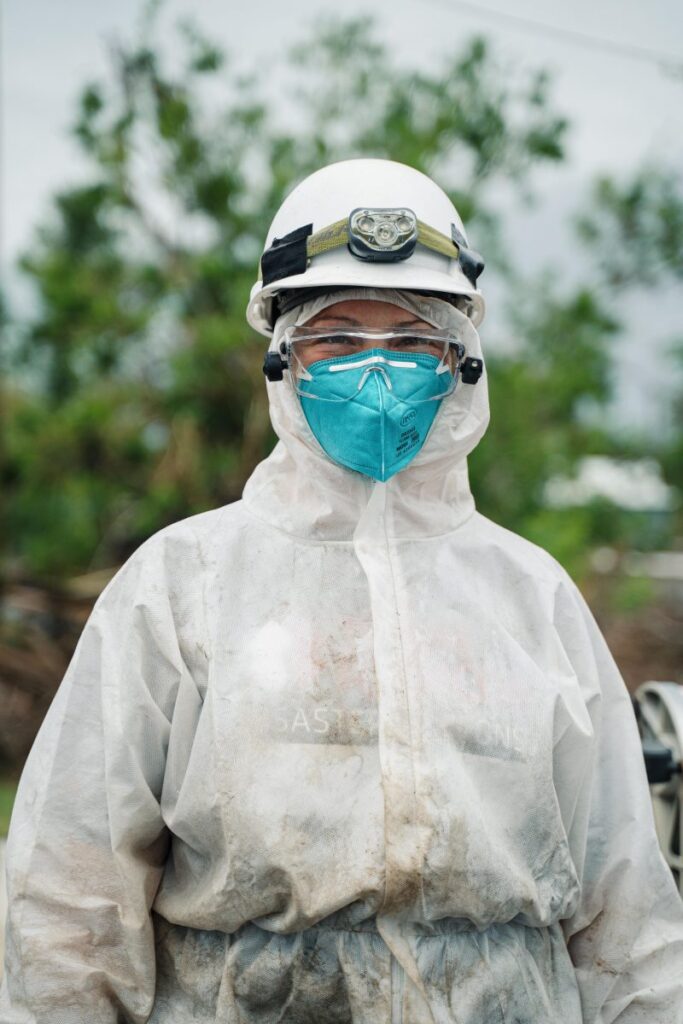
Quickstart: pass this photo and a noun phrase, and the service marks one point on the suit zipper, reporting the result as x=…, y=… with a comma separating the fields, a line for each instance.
x=397, y=978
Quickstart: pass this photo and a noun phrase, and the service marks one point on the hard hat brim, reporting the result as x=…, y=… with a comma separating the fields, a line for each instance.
x=343, y=273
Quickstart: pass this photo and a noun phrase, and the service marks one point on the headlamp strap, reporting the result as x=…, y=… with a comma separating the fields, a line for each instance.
x=337, y=234
x=286, y=256
x=290, y=255
x=471, y=262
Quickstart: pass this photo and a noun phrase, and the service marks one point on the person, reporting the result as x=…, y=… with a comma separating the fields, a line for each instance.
x=345, y=750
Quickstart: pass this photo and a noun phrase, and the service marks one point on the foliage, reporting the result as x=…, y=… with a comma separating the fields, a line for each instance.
x=135, y=396
x=7, y=793
x=636, y=227
x=537, y=394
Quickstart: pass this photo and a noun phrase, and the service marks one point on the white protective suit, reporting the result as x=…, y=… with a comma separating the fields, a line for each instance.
x=342, y=752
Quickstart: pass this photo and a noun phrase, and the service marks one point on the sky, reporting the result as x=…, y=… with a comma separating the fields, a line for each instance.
x=625, y=112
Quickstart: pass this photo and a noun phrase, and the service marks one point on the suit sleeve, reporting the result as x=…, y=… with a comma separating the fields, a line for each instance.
x=87, y=841
x=625, y=938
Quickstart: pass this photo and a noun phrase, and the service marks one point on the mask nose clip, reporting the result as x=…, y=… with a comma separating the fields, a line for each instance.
x=375, y=369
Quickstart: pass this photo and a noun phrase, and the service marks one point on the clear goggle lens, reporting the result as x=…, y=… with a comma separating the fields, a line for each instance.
x=363, y=351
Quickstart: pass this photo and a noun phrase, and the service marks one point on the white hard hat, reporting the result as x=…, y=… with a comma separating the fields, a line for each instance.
x=365, y=223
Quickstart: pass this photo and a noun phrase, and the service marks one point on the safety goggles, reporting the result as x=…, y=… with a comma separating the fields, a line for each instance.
x=311, y=353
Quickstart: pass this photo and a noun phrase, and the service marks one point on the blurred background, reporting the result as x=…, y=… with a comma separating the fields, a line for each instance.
x=145, y=149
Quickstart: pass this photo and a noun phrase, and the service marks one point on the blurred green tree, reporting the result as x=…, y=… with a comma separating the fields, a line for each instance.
x=135, y=395
x=635, y=229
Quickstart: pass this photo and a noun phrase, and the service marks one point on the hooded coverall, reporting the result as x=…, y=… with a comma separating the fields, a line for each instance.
x=341, y=752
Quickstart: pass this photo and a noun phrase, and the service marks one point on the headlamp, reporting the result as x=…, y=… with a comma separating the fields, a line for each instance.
x=374, y=234
x=382, y=234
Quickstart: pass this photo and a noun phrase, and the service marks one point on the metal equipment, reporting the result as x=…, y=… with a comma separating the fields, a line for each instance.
x=659, y=710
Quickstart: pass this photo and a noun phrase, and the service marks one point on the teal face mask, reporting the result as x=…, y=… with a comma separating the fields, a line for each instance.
x=372, y=411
